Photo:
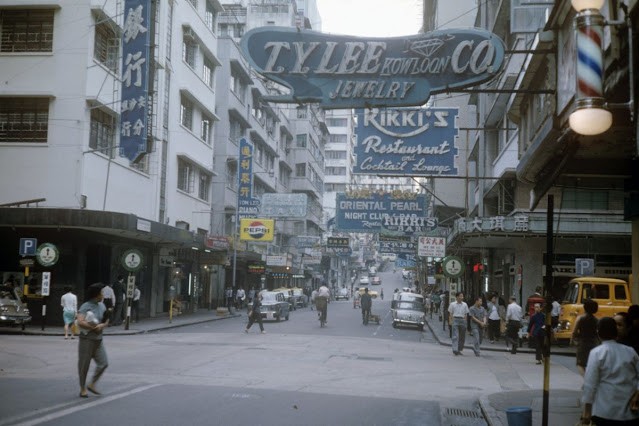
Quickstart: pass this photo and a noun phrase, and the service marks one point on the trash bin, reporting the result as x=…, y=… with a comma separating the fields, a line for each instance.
x=519, y=416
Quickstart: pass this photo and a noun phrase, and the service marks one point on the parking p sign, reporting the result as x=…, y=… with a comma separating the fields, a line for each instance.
x=28, y=246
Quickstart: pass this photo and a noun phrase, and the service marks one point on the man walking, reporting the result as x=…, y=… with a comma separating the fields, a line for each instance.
x=457, y=313
x=366, y=304
x=477, y=323
x=513, y=324
x=494, y=320
x=92, y=319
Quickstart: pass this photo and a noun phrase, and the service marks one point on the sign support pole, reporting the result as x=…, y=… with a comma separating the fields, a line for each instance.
x=130, y=288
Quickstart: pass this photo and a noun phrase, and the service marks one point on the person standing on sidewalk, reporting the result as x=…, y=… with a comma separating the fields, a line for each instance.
x=477, y=323
x=513, y=318
x=494, y=320
x=120, y=298
x=92, y=319
x=69, y=303
x=610, y=393
x=584, y=334
x=458, y=313
x=536, y=331
x=366, y=304
x=255, y=314
x=135, y=304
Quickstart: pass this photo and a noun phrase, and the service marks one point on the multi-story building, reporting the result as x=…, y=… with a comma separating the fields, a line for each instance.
x=524, y=149
x=61, y=132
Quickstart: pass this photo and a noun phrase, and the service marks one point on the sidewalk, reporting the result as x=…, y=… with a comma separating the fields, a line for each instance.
x=564, y=405
x=145, y=325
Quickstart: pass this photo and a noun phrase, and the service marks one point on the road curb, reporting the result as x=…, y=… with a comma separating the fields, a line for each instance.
x=166, y=326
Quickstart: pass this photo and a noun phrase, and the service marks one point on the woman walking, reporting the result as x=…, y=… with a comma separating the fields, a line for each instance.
x=585, y=334
x=69, y=303
x=255, y=315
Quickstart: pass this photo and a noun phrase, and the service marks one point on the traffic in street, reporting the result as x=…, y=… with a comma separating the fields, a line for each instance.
x=297, y=373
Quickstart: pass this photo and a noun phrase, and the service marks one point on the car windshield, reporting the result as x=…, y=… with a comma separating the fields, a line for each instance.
x=415, y=306
x=269, y=297
x=571, y=294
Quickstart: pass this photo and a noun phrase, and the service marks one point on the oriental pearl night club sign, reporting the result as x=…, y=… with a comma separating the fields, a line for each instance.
x=338, y=71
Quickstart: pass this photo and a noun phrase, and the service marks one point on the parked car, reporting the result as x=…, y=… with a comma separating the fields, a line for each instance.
x=342, y=294
x=364, y=281
x=376, y=281
x=301, y=300
x=409, y=313
x=12, y=310
x=288, y=295
x=275, y=306
x=612, y=296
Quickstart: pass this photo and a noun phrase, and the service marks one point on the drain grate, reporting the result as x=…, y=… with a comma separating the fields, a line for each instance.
x=463, y=413
x=461, y=417
x=372, y=358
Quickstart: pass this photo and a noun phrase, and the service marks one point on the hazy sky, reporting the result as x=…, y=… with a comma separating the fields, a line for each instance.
x=383, y=18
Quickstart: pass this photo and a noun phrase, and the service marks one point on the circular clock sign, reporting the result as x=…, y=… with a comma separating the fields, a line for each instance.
x=453, y=266
x=47, y=254
x=132, y=260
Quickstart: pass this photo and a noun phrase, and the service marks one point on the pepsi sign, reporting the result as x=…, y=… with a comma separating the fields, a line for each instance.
x=256, y=229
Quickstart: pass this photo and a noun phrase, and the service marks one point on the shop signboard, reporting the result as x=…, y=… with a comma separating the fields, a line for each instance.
x=398, y=213
x=341, y=71
x=247, y=206
x=257, y=229
x=407, y=142
x=431, y=247
x=284, y=205
x=135, y=74
x=307, y=241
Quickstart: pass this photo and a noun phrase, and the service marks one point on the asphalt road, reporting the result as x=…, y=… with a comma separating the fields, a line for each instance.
x=214, y=373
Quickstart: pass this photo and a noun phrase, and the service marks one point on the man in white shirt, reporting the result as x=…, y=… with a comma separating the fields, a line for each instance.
x=513, y=324
x=69, y=303
x=554, y=314
x=458, y=313
x=108, y=297
x=494, y=321
x=611, y=383
x=321, y=301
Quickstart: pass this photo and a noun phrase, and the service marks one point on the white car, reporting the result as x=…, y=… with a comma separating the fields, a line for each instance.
x=342, y=294
x=364, y=281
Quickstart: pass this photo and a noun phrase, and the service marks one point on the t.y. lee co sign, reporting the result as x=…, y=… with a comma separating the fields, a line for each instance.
x=339, y=71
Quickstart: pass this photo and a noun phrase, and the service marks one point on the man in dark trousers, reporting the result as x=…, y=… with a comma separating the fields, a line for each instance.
x=118, y=289
x=366, y=303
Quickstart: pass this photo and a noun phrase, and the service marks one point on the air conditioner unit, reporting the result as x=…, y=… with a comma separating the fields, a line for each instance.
x=189, y=34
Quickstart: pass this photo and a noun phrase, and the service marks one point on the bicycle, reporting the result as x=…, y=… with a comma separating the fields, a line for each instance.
x=321, y=305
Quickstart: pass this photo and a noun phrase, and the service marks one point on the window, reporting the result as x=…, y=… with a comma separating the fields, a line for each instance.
x=300, y=140
x=106, y=46
x=584, y=199
x=26, y=30
x=205, y=130
x=24, y=119
x=186, y=114
x=207, y=72
x=237, y=86
x=300, y=169
x=336, y=155
x=210, y=16
x=337, y=138
x=301, y=112
x=185, y=176
x=189, y=50
x=102, y=133
x=335, y=171
x=235, y=130
x=205, y=186
x=231, y=175
x=336, y=122
x=620, y=292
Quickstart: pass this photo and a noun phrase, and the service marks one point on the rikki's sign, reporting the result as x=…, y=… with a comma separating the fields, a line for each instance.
x=339, y=71
x=407, y=141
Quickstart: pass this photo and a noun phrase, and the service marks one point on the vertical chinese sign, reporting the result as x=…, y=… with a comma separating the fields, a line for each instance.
x=247, y=206
x=135, y=73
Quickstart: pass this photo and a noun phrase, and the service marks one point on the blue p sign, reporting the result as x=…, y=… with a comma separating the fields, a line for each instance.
x=28, y=246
